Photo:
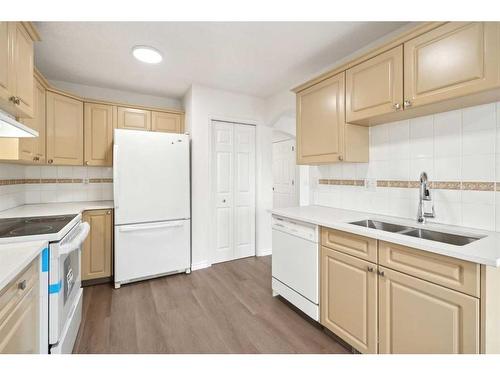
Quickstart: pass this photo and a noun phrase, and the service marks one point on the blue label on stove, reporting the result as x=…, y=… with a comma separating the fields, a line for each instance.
x=55, y=288
x=45, y=260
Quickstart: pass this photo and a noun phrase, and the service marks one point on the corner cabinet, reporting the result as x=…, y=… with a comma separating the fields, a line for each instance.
x=16, y=69
x=64, y=129
x=322, y=134
x=97, y=253
x=454, y=60
x=99, y=122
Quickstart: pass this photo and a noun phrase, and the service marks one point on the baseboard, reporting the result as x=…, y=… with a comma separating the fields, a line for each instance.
x=263, y=253
x=102, y=280
x=200, y=265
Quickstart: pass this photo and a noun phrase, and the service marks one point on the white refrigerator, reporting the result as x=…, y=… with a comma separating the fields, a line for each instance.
x=151, y=184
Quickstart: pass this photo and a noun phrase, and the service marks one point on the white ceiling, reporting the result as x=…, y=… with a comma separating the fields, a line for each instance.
x=255, y=58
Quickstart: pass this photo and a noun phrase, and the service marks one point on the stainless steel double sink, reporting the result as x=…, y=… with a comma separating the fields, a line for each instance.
x=426, y=234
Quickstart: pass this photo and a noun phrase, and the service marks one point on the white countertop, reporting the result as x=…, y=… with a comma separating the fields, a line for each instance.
x=483, y=251
x=14, y=257
x=48, y=209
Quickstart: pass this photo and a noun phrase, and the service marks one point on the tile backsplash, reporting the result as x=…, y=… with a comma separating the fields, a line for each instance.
x=458, y=148
x=21, y=184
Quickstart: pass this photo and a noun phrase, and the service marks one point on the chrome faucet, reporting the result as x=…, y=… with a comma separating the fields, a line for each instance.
x=424, y=195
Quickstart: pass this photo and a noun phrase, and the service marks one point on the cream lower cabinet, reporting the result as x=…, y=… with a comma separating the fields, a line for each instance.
x=97, y=253
x=322, y=134
x=419, y=317
x=64, y=129
x=19, y=314
x=426, y=304
x=348, y=300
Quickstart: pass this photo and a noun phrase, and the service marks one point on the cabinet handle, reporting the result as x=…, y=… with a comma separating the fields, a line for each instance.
x=381, y=273
x=86, y=163
x=108, y=212
x=341, y=157
x=397, y=106
x=36, y=158
x=407, y=103
x=369, y=269
x=50, y=161
x=15, y=99
x=22, y=285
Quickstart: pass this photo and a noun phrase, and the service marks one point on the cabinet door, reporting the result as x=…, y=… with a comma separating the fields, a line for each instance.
x=167, y=122
x=456, y=59
x=64, y=130
x=19, y=332
x=33, y=149
x=6, y=43
x=23, y=67
x=348, y=300
x=97, y=248
x=134, y=119
x=375, y=87
x=99, y=120
x=417, y=316
x=320, y=122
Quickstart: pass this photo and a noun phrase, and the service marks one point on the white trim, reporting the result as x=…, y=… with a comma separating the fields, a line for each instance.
x=263, y=253
x=200, y=265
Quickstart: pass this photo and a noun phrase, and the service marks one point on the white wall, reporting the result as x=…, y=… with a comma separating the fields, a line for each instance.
x=120, y=96
x=202, y=105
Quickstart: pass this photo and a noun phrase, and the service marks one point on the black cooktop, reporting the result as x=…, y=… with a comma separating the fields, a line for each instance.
x=31, y=226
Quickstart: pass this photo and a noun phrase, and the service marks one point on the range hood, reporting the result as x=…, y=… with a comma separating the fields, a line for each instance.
x=10, y=128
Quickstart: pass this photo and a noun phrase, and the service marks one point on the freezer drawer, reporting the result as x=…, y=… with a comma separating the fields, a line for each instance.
x=151, y=249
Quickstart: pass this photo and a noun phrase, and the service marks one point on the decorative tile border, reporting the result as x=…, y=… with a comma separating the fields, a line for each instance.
x=22, y=181
x=442, y=185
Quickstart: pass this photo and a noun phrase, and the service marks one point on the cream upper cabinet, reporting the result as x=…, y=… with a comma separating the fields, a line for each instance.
x=320, y=122
x=99, y=122
x=419, y=317
x=16, y=69
x=348, y=300
x=33, y=149
x=167, y=122
x=134, y=119
x=97, y=249
x=322, y=134
x=453, y=60
x=64, y=130
x=375, y=87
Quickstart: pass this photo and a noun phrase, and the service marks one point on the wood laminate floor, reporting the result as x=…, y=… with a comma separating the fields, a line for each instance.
x=227, y=308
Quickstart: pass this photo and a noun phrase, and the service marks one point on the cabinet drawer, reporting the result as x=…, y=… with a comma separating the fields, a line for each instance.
x=452, y=273
x=352, y=244
x=13, y=293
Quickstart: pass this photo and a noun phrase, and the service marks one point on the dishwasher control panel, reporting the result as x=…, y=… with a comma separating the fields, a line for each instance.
x=297, y=228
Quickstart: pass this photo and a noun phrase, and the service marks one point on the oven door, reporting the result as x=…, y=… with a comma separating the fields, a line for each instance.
x=65, y=281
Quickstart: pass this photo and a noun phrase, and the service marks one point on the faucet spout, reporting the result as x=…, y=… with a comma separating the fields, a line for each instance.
x=424, y=195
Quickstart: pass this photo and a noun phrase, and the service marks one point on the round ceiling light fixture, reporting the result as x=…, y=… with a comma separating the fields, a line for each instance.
x=147, y=54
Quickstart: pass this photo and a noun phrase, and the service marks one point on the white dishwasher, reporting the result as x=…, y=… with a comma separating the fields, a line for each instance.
x=295, y=267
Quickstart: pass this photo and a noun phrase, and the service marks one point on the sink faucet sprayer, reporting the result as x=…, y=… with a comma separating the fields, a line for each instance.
x=424, y=196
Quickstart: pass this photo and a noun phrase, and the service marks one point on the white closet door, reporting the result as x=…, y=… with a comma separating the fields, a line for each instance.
x=233, y=184
x=222, y=178
x=244, y=190
x=284, y=165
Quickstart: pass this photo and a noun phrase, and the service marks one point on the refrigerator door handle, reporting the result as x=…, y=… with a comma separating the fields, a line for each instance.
x=142, y=227
x=116, y=194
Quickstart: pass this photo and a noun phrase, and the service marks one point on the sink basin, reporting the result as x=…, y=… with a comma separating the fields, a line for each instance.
x=449, y=238
x=380, y=225
x=452, y=239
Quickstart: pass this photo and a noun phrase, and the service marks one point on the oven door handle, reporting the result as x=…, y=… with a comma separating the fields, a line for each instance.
x=76, y=242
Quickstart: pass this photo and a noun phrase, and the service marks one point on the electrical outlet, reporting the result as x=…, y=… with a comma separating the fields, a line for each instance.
x=370, y=184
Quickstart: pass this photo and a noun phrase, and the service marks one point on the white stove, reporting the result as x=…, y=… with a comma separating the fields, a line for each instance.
x=62, y=287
